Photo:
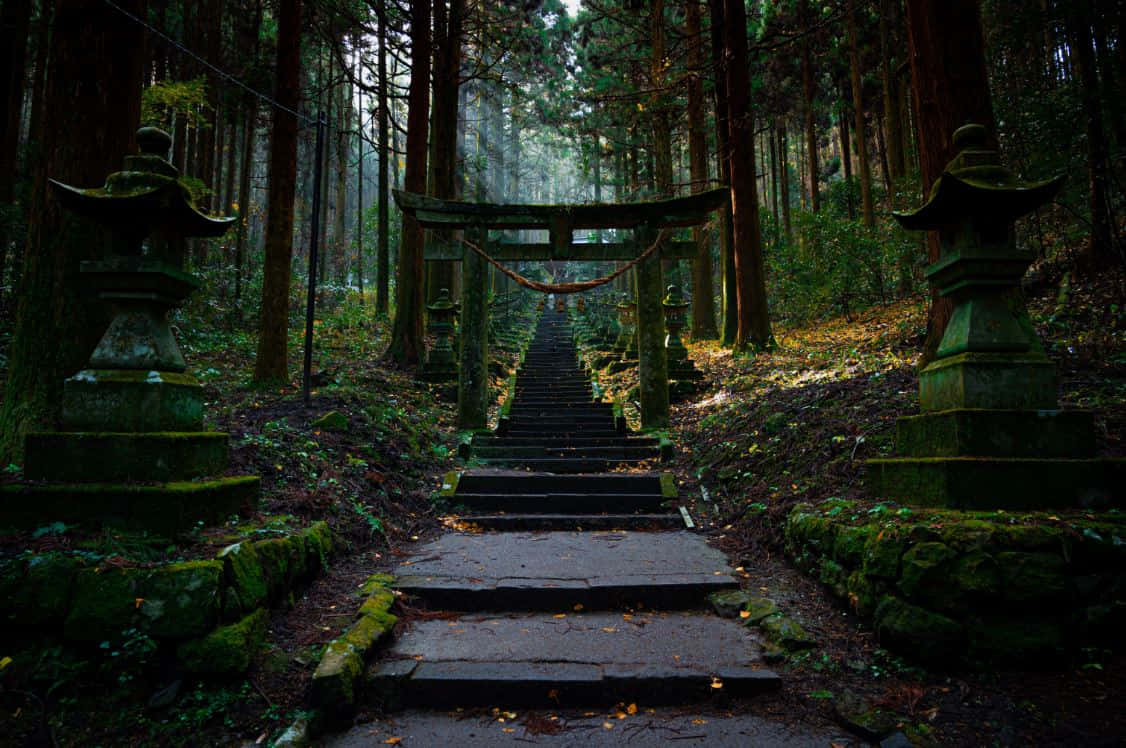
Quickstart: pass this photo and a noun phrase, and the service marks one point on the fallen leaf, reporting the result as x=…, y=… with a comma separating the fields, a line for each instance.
x=608, y=725
x=560, y=615
x=717, y=683
x=609, y=629
x=137, y=602
x=393, y=741
x=632, y=708
x=578, y=606
x=744, y=614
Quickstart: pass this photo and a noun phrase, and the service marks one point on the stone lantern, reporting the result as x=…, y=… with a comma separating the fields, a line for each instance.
x=627, y=323
x=132, y=419
x=676, y=317
x=990, y=433
x=440, y=365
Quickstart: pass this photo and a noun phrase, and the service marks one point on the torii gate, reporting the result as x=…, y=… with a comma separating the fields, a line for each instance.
x=646, y=219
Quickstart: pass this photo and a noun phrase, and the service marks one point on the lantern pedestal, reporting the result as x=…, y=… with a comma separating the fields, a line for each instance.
x=441, y=365
x=990, y=434
x=683, y=373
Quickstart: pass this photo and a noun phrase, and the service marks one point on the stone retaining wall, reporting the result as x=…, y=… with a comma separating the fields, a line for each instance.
x=212, y=611
x=970, y=587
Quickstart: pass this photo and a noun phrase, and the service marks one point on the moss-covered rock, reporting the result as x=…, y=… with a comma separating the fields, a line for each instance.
x=105, y=603
x=924, y=569
x=298, y=560
x=928, y=636
x=758, y=608
x=1031, y=537
x=228, y=650
x=318, y=545
x=1032, y=577
x=968, y=535
x=976, y=574
x=864, y=592
x=728, y=603
x=375, y=582
x=242, y=572
x=44, y=594
x=334, y=683
x=273, y=554
x=835, y=577
x=786, y=632
x=849, y=545
x=182, y=600
x=882, y=553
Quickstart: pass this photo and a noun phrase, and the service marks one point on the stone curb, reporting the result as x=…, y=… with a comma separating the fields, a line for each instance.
x=333, y=688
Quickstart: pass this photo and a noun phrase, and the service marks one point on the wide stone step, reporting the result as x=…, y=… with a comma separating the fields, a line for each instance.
x=561, y=502
x=586, y=430
x=574, y=522
x=559, y=570
x=555, y=410
x=568, y=659
x=620, y=452
x=569, y=465
x=554, y=441
x=516, y=482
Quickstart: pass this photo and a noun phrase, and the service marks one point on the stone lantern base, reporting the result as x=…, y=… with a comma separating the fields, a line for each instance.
x=998, y=459
x=133, y=453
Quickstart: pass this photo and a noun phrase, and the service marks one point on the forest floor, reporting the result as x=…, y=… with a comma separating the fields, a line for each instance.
x=765, y=434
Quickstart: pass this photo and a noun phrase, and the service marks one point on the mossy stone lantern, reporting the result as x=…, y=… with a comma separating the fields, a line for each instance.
x=132, y=433
x=440, y=364
x=627, y=323
x=990, y=434
x=676, y=317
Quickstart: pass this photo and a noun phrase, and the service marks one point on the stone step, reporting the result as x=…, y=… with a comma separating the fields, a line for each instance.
x=575, y=522
x=610, y=441
x=561, y=502
x=569, y=465
x=517, y=482
x=587, y=430
x=569, y=659
x=619, y=452
x=558, y=570
x=600, y=410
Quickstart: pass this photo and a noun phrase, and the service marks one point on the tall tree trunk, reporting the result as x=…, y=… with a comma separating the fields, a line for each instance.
x=406, y=332
x=343, y=148
x=846, y=160
x=774, y=150
x=754, y=321
x=271, y=363
x=893, y=118
x=92, y=108
x=808, y=86
x=723, y=147
x=1100, y=251
x=784, y=168
x=951, y=88
x=15, y=20
x=383, y=246
x=443, y=126
x=703, y=294
x=249, y=127
x=858, y=109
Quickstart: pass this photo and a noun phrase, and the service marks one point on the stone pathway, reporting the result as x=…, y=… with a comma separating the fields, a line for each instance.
x=576, y=589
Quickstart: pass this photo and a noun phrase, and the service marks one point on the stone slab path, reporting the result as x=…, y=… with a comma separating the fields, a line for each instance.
x=603, y=603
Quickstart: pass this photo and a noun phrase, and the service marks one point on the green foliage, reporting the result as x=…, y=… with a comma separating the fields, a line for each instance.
x=186, y=100
x=834, y=265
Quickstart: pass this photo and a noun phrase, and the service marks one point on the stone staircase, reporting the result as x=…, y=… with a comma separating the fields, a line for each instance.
x=570, y=584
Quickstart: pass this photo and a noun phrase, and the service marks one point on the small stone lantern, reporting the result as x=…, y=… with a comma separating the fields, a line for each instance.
x=132, y=415
x=990, y=434
x=440, y=365
x=627, y=323
x=676, y=317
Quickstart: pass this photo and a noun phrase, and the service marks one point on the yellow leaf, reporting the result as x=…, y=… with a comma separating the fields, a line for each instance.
x=5, y=662
x=393, y=741
x=717, y=683
x=744, y=614
x=578, y=606
x=560, y=615
x=609, y=629
x=608, y=725
x=137, y=602
x=632, y=708
x=508, y=729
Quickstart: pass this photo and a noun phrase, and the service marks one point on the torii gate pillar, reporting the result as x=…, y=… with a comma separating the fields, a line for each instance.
x=473, y=355
x=653, y=359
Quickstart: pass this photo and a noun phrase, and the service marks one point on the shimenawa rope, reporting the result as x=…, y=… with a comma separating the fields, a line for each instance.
x=575, y=286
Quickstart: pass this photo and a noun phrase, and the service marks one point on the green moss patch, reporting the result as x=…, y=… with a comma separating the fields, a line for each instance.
x=228, y=650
